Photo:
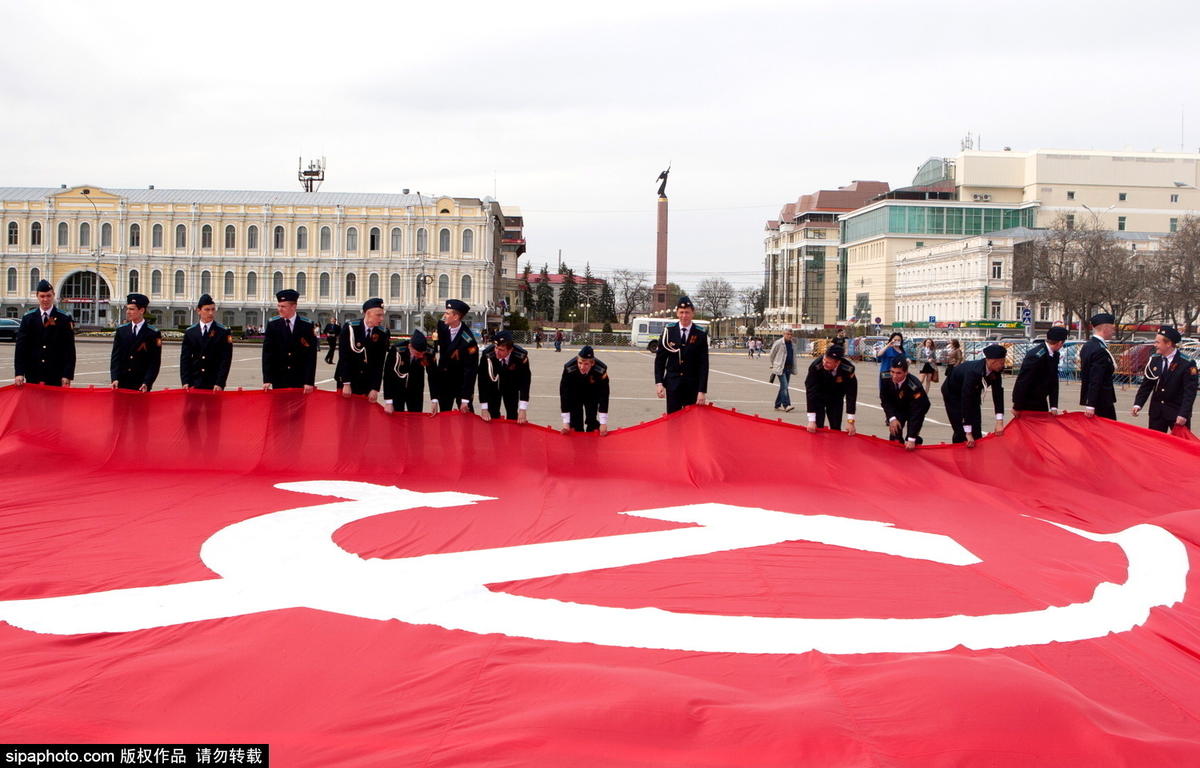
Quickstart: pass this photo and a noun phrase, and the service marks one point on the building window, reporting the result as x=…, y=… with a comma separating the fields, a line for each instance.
x=396, y=240
x=995, y=310
x=373, y=240
x=444, y=241
x=35, y=276
x=179, y=280
x=156, y=236
x=373, y=285
x=180, y=237
x=156, y=282
x=466, y=287
x=1121, y=196
x=14, y=233
x=444, y=287
x=106, y=235
x=468, y=245
x=35, y=233
x=352, y=239
x=251, y=284
x=206, y=282
x=1070, y=195
x=277, y=238
x=206, y=238
x=301, y=283
x=1139, y=313
x=63, y=234
x=1174, y=225
x=1070, y=220
x=394, y=286
x=12, y=279
x=252, y=238
x=326, y=238
x=227, y=318
x=1120, y=223
x=85, y=235
x=1044, y=311
x=323, y=285
x=1174, y=198
x=351, y=284
x=228, y=284
x=997, y=270
x=134, y=280
x=135, y=236
x=422, y=240
x=180, y=317
x=301, y=238
x=277, y=282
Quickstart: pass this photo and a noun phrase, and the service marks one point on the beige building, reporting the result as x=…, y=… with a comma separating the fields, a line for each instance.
x=336, y=249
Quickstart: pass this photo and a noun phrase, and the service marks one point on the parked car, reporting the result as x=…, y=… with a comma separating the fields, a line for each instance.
x=8, y=329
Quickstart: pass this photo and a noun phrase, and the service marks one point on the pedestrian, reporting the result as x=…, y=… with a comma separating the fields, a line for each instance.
x=839, y=337
x=1096, y=368
x=583, y=394
x=457, y=360
x=363, y=346
x=758, y=346
x=206, y=353
x=954, y=356
x=45, y=349
x=558, y=340
x=783, y=365
x=333, y=332
x=681, y=362
x=538, y=338
x=1169, y=382
x=290, y=347
x=963, y=390
x=1036, y=387
x=905, y=403
x=927, y=356
x=892, y=349
x=504, y=379
x=829, y=386
x=408, y=363
x=136, y=349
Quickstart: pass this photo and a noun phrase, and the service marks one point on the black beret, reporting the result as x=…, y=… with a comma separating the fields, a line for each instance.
x=1172, y=335
x=684, y=303
x=43, y=286
x=995, y=352
x=418, y=342
x=204, y=301
x=287, y=294
x=1103, y=318
x=461, y=307
x=372, y=304
x=502, y=337
x=587, y=353
x=1057, y=333
x=900, y=362
x=836, y=351
x=137, y=299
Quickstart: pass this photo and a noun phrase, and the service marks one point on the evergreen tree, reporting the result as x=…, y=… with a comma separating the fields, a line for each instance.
x=607, y=305
x=526, y=290
x=587, y=291
x=568, y=295
x=544, y=301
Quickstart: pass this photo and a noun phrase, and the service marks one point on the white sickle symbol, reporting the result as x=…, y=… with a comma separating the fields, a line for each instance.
x=287, y=559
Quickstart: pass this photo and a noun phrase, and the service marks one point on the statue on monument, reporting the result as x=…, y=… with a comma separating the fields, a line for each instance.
x=662, y=188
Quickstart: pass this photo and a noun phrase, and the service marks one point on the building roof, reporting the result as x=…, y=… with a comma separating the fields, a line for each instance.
x=236, y=196
x=854, y=195
x=557, y=279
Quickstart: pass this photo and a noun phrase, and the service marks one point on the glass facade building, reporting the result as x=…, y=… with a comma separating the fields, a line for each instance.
x=958, y=220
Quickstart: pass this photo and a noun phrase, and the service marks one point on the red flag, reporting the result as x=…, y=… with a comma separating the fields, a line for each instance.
x=710, y=589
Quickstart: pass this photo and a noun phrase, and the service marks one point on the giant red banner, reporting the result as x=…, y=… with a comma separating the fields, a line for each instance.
x=710, y=589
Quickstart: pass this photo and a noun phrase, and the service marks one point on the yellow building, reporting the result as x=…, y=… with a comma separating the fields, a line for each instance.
x=337, y=249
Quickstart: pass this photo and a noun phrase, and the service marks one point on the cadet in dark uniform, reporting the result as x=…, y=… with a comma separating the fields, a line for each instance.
x=137, y=348
x=332, y=332
x=290, y=346
x=457, y=360
x=364, y=344
x=504, y=377
x=1169, y=382
x=1096, y=369
x=1036, y=388
x=963, y=390
x=207, y=350
x=45, y=352
x=681, y=362
x=905, y=403
x=583, y=394
x=408, y=363
x=829, y=385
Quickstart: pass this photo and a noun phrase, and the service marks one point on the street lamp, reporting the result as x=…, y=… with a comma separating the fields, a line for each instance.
x=585, y=306
x=96, y=306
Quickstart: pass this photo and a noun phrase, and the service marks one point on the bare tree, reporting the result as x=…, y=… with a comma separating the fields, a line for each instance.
x=751, y=299
x=631, y=290
x=714, y=296
x=1178, y=268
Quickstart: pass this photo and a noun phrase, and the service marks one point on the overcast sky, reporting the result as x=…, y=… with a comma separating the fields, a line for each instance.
x=570, y=110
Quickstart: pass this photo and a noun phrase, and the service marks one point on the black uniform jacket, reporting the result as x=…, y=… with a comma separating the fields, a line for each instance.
x=457, y=361
x=577, y=390
x=1036, y=387
x=290, y=358
x=204, y=359
x=908, y=403
x=1096, y=369
x=45, y=353
x=963, y=390
x=404, y=374
x=822, y=386
x=360, y=356
x=496, y=379
x=675, y=363
x=1171, y=389
x=135, y=359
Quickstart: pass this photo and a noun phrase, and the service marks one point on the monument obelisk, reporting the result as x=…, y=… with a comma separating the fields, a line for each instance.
x=658, y=297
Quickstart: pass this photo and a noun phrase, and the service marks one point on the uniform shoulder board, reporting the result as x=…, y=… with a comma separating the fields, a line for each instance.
x=122, y=325
x=847, y=367
x=571, y=366
x=488, y=351
x=1039, y=350
x=600, y=368
x=195, y=325
x=33, y=311
x=520, y=353
x=151, y=328
x=913, y=384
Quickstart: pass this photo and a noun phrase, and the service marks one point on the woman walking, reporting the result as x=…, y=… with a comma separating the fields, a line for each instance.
x=927, y=356
x=893, y=349
x=954, y=356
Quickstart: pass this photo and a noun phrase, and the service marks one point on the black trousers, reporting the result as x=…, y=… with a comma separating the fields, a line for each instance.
x=332, y=349
x=680, y=393
x=1164, y=420
x=900, y=436
x=583, y=418
x=832, y=412
x=954, y=413
x=1107, y=411
x=508, y=399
